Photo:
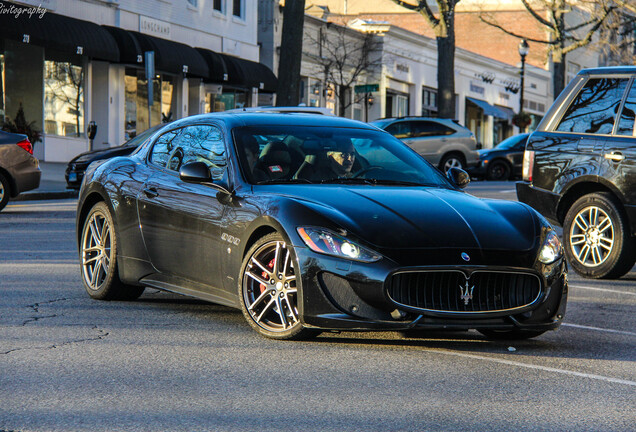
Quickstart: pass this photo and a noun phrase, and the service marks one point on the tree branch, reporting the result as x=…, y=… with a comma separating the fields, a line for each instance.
x=536, y=15
x=511, y=33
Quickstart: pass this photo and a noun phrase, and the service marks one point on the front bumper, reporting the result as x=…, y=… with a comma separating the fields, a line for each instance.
x=342, y=295
x=74, y=175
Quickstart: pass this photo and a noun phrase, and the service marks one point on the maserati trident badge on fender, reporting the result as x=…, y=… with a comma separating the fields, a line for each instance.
x=467, y=293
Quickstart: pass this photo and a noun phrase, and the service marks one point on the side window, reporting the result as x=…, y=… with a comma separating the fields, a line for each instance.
x=628, y=115
x=428, y=128
x=400, y=129
x=204, y=143
x=163, y=148
x=595, y=107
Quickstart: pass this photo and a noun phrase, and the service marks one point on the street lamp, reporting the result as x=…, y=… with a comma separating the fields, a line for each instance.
x=523, y=52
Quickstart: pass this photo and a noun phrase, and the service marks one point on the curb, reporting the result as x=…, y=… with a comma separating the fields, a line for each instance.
x=49, y=195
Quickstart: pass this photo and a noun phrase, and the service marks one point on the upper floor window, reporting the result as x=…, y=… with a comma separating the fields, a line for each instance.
x=194, y=3
x=238, y=8
x=219, y=5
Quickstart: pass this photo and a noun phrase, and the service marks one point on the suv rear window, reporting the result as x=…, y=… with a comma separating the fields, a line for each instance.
x=594, y=109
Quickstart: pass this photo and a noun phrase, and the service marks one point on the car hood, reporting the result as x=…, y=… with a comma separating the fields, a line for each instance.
x=94, y=155
x=421, y=217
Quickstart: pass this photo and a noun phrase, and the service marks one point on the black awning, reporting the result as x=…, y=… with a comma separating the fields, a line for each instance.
x=61, y=33
x=246, y=73
x=218, y=69
x=129, y=49
x=173, y=57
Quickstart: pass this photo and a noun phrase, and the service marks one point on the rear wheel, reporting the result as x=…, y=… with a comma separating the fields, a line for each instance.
x=453, y=160
x=98, y=251
x=597, y=240
x=4, y=191
x=498, y=170
x=510, y=334
x=268, y=290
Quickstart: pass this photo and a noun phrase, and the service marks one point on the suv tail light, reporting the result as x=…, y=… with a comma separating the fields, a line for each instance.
x=26, y=145
x=528, y=164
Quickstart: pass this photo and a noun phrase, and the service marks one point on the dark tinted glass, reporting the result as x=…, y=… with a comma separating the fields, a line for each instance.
x=595, y=107
x=400, y=129
x=628, y=115
x=429, y=128
x=164, y=148
x=204, y=143
x=517, y=141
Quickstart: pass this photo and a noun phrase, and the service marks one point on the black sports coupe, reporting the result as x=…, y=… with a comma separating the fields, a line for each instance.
x=310, y=223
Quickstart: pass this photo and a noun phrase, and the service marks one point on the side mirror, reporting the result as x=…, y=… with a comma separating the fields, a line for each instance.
x=458, y=177
x=199, y=172
x=195, y=172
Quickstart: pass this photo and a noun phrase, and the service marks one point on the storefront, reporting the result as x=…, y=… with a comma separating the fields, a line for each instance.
x=65, y=73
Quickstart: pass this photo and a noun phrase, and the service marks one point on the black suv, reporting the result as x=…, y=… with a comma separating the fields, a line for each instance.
x=579, y=170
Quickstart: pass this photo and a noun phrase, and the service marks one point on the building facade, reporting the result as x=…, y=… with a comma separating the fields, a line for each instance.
x=70, y=63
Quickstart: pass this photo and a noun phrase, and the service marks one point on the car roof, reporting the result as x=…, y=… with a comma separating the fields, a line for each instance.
x=238, y=119
x=287, y=109
x=608, y=70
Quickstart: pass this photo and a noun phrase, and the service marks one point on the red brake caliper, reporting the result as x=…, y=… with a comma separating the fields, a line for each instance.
x=265, y=276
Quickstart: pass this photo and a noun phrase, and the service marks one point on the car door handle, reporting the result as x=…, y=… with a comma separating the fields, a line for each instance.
x=615, y=156
x=151, y=192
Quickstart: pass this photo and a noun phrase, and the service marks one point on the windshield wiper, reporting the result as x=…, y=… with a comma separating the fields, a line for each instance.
x=351, y=180
x=283, y=181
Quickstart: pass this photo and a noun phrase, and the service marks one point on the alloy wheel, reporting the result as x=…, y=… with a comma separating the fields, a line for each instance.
x=269, y=288
x=452, y=163
x=96, y=251
x=592, y=236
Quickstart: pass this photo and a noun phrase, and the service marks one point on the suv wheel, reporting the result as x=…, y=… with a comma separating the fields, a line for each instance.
x=597, y=239
x=452, y=161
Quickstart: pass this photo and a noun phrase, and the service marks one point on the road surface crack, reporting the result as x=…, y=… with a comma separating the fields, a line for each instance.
x=36, y=309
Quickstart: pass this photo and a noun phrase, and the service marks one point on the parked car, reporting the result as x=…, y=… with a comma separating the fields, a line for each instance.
x=344, y=228
x=443, y=142
x=502, y=162
x=579, y=170
x=19, y=169
x=76, y=167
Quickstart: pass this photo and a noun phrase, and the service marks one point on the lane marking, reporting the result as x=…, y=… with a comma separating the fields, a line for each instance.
x=628, y=333
x=601, y=289
x=537, y=367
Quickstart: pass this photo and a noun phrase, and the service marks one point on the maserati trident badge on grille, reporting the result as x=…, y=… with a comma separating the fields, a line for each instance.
x=467, y=293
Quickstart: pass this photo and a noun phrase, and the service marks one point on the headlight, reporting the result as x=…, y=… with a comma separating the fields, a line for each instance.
x=324, y=241
x=551, y=249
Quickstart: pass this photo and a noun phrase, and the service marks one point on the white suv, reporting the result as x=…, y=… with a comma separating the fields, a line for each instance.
x=443, y=142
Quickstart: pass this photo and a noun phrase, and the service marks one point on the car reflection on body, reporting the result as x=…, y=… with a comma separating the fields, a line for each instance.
x=392, y=244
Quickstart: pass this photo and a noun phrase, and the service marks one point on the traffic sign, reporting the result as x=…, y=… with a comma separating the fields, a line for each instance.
x=367, y=88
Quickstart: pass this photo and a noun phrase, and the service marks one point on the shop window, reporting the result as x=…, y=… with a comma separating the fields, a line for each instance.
x=136, y=105
x=429, y=102
x=64, y=84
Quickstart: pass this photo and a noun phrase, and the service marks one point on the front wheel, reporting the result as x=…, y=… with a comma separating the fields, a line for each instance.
x=268, y=290
x=498, y=170
x=4, y=191
x=597, y=240
x=98, y=255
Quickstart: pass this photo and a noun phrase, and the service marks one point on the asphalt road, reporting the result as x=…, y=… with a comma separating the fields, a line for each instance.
x=164, y=362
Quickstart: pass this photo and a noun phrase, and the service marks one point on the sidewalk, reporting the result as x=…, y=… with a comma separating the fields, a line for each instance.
x=52, y=184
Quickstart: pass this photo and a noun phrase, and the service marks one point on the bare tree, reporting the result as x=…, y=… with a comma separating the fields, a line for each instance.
x=617, y=36
x=291, y=49
x=344, y=56
x=563, y=38
x=444, y=27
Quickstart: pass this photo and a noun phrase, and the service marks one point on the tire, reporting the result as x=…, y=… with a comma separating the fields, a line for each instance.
x=597, y=239
x=452, y=160
x=5, y=191
x=98, y=255
x=498, y=170
x=510, y=334
x=269, y=299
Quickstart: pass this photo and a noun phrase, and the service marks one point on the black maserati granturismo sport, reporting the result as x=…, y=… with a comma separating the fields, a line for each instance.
x=310, y=223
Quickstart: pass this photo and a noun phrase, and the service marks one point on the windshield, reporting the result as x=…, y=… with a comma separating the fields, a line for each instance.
x=305, y=154
x=512, y=142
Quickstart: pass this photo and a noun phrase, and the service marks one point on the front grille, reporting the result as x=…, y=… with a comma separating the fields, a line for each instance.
x=452, y=291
